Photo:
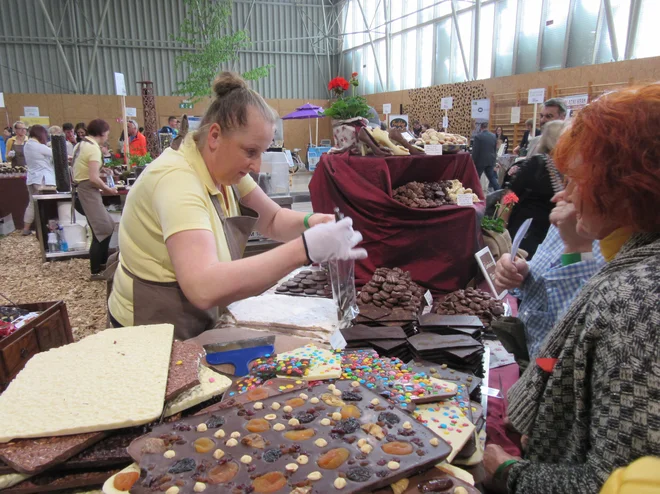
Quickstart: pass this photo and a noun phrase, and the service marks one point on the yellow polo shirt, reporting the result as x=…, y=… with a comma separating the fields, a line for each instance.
x=172, y=195
x=89, y=151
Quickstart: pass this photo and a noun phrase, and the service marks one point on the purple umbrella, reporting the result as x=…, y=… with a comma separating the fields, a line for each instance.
x=307, y=111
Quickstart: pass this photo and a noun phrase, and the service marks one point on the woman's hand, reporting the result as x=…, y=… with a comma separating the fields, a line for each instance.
x=333, y=241
x=319, y=219
x=494, y=456
x=564, y=217
x=509, y=274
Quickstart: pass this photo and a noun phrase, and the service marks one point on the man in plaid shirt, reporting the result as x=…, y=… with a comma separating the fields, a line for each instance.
x=548, y=284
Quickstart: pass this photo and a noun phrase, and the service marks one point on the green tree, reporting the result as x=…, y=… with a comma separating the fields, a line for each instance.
x=207, y=29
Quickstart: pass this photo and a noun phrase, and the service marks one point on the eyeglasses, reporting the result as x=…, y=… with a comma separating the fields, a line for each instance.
x=21, y=128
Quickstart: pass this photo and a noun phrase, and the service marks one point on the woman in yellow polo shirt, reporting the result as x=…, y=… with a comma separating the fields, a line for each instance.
x=183, y=230
x=88, y=184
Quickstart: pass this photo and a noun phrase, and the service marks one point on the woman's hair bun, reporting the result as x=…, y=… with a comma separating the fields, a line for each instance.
x=226, y=82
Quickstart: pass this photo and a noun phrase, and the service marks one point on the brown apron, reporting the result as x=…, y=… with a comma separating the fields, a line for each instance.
x=98, y=218
x=157, y=302
x=19, y=157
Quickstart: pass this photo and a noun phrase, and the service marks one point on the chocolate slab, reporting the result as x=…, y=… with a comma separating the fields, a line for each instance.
x=431, y=319
x=6, y=469
x=434, y=479
x=278, y=454
x=107, y=453
x=33, y=456
x=361, y=332
x=57, y=482
x=425, y=342
x=372, y=313
x=446, y=373
x=184, y=368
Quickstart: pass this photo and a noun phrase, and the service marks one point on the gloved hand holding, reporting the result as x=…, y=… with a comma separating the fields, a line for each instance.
x=328, y=241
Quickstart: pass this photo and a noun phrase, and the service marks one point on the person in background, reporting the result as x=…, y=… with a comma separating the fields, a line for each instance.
x=553, y=109
x=591, y=402
x=547, y=285
x=533, y=186
x=6, y=135
x=70, y=135
x=137, y=142
x=172, y=127
x=15, y=144
x=40, y=169
x=81, y=131
x=417, y=129
x=521, y=149
x=501, y=139
x=54, y=130
x=87, y=165
x=484, y=155
x=425, y=127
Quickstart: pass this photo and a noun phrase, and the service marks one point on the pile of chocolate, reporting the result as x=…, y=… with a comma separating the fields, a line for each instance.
x=423, y=194
x=392, y=288
x=473, y=302
x=309, y=283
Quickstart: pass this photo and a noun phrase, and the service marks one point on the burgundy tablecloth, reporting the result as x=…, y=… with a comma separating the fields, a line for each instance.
x=436, y=245
x=13, y=199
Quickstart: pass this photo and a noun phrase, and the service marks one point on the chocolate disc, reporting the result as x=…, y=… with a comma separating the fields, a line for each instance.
x=291, y=284
x=281, y=289
x=308, y=283
x=296, y=290
x=310, y=291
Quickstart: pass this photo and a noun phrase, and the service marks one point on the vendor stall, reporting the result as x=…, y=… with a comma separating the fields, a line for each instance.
x=435, y=244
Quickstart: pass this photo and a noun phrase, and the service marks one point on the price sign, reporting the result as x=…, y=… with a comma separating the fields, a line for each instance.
x=447, y=103
x=515, y=115
x=536, y=96
x=387, y=108
x=433, y=149
x=445, y=122
x=428, y=297
x=464, y=199
x=120, y=84
x=337, y=340
x=480, y=109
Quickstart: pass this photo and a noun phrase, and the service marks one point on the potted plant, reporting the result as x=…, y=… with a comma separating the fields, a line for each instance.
x=496, y=236
x=348, y=113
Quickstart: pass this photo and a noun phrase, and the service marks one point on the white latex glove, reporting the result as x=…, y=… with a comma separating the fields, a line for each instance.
x=329, y=241
x=11, y=154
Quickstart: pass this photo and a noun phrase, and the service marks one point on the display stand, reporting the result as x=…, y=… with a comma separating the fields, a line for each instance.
x=436, y=245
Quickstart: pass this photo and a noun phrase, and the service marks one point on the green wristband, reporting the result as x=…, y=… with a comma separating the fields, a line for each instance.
x=568, y=259
x=306, y=220
x=501, y=469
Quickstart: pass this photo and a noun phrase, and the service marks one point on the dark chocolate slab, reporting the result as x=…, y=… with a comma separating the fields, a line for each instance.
x=57, y=482
x=432, y=319
x=433, y=479
x=184, y=368
x=425, y=342
x=362, y=332
x=256, y=460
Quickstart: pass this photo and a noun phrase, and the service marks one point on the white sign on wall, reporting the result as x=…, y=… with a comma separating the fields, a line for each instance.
x=515, y=115
x=447, y=103
x=481, y=109
x=576, y=100
x=131, y=112
x=2, y=100
x=536, y=95
x=387, y=108
x=31, y=111
x=120, y=84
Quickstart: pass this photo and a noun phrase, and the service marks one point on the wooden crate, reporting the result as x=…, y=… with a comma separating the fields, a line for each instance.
x=50, y=329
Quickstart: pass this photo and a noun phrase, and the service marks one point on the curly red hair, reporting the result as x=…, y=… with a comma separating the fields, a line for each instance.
x=612, y=152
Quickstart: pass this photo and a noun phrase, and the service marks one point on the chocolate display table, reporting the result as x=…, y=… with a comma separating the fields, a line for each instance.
x=13, y=199
x=435, y=245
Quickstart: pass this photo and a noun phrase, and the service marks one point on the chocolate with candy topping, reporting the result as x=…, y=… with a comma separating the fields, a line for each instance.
x=291, y=453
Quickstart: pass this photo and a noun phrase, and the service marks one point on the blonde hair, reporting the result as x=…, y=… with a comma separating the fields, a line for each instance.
x=551, y=132
x=229, y=108
x=55, y=130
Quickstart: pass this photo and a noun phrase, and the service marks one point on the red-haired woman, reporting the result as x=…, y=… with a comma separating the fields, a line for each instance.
x=592, y=401
x=40, y=170
x=87, y=164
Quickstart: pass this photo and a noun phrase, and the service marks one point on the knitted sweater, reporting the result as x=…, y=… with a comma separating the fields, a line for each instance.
x=599, y=408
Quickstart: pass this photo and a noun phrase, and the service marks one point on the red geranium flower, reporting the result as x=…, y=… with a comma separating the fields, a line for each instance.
x=338, y=83
x=354, y=74
x=510, y=198
x=117, y=155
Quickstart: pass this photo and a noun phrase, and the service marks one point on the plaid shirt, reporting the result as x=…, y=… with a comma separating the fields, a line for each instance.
x=550, y=288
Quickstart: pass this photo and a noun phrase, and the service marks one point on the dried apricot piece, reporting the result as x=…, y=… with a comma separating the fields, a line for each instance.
x=333, y=459
x=350, y=411
x=269, y=482
x=295, y=402
x=257, y=394
x=220, y=474
x=301, y=435
x=398, y=448
x=203, y=445
x=124, y=481
x=257, y=425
